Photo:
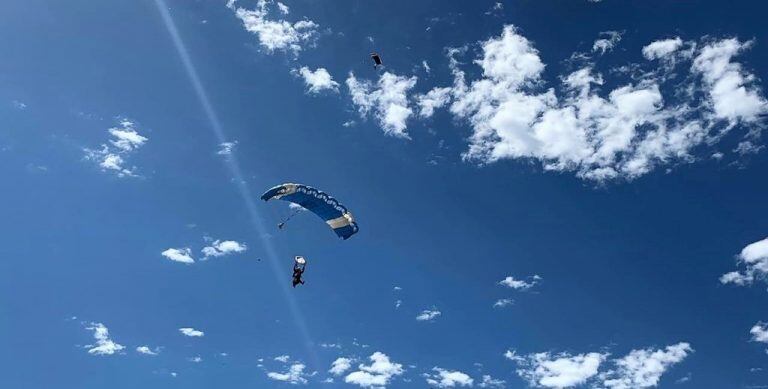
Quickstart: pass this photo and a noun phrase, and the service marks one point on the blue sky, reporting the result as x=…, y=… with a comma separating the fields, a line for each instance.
x=550, y=194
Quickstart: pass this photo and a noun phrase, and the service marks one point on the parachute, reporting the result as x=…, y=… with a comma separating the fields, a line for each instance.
x=336, y=215
x=376, y=59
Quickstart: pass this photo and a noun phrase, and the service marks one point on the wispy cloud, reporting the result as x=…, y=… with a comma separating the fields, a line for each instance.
x=111, y=157
x=226, y=148
x=511, y=282
x=428, y=315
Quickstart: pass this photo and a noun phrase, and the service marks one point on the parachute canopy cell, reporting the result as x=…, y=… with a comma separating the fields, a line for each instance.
x=336, y=215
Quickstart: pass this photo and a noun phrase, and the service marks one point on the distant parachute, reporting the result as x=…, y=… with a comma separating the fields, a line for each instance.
x=336, y=215
x=376, y=59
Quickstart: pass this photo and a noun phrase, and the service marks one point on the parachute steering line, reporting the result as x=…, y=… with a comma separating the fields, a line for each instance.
x=234, y=169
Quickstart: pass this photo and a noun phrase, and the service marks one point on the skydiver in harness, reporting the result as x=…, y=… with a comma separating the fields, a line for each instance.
x=299, y=266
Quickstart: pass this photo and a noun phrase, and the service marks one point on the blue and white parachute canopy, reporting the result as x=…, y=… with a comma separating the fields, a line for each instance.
x=318, y=202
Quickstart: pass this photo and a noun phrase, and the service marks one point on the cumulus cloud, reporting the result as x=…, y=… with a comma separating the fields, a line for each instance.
x=111, y=157
x=147, y=351
x=378, y=374
x=644, y=368
x=607, y=42
x=340, y=366
x=191, y=332
x=754, y=260
x=294, y=375
x=639, y=369
x=730, y=93
x=442, y=378
x=557, y=371
x=318, y=80
x=621, y=133
x=183, y=255
x=759, y=333
x=428, y=315
x=283, y=358
x=275, y=34
x=387, y=100
x=219, y=248
x=104, y=344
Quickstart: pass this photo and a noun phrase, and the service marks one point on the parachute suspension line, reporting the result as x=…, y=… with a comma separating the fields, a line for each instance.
x=294, y=213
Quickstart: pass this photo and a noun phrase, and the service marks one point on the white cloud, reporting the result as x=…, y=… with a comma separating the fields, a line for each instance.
x=220, y=248
x=662, y=48
x=377, y=374
x=501, y=303
x=644, y=368
x=435, y=98
x=195, y=359
x=283, y=358
x=111, y=157
x=511, y=282
x=428, y=315
x=387, y=99
x=104, y=344
x=607, y=43
x=275, y=34
x=490, y=382
x=754, y=258
x=730, y=94
x=340, y=366
x=759, y=333
x=295, y=374
x=188, y=331
x=317, y=81
x=147, y=351
x=125, y=137
x=557, y=371
x=183, y=255
x=426, y=67
x=638, y=369
x=398, y=303
x=442, y=378
x=225, y=148
x=283, y=8
x=623, y=133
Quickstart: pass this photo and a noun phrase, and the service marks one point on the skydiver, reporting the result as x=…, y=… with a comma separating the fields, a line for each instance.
x=376, y=60
x=298, y=271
